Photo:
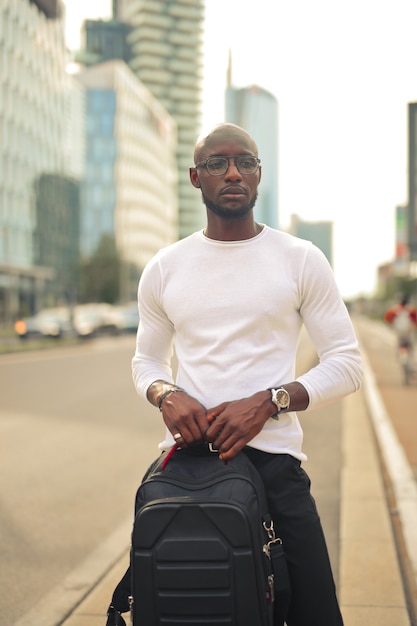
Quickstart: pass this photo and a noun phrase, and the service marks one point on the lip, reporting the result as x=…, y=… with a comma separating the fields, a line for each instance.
x=233, y=191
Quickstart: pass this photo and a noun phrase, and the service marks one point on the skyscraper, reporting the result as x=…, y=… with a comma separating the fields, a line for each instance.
x=256, y=110
x=412, y=180
x=320, y=233
x=165, y=42
x=41, y=158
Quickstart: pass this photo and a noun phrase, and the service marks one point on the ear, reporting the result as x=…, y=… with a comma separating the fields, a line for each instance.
x=195, y=181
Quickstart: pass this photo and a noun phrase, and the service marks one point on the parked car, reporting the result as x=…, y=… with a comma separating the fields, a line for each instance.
x=128, y=317
x=53, y=322
x=97, y=318
x=83, y=320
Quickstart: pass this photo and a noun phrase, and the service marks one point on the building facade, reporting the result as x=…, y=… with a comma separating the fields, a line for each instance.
x=412, y=181
x=165, y=43
x=103, y=40
x=130, y=186
x=256, y=110
x=320, y=233
x=41, y=157
x=402, y=255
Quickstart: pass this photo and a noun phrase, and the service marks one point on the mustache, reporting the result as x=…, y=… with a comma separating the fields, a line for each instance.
x=233, y=189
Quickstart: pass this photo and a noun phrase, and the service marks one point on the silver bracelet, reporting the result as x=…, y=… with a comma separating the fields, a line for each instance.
x=164, y=395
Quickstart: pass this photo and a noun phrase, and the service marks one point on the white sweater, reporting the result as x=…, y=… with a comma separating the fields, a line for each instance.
x=234, y=311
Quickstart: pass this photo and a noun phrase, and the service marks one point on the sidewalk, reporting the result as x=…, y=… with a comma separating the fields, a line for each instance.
x=371, y=589
x=393, y=414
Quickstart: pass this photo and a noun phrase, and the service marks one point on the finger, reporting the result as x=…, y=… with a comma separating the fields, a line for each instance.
x=211, y=416
x=201, y=423
x=182, y=435
x=215, y=411
x=196, y=428
x=226, y=453
x=217, y=419
x=178, y=437
x=213, y=431
x=230, y=439
x=191, y=428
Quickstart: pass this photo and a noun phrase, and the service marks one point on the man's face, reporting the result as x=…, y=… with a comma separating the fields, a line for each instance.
x=232, y=194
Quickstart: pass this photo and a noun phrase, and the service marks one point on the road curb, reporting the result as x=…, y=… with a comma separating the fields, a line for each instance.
x=58, y=604
x=400, y=476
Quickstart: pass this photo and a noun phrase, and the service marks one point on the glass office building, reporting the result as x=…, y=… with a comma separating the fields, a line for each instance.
x=256, y=110
x=40, y=158
x=320, y=233
x=130, y=187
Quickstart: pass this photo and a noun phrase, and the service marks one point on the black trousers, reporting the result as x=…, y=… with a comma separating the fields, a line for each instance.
x=313, y=593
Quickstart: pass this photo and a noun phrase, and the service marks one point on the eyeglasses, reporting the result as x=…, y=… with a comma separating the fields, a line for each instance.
x=218, y=165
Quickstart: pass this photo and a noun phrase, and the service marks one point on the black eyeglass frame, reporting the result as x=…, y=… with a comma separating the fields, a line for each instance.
x=235, y=158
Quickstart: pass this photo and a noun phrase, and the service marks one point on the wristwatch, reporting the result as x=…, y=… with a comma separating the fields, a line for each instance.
x=281, y=398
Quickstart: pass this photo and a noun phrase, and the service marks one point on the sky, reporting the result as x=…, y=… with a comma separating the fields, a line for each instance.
x=343, y=74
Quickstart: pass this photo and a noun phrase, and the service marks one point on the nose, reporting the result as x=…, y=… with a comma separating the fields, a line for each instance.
x=232, y=171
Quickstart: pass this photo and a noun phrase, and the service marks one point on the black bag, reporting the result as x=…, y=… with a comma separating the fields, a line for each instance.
x=203, y=546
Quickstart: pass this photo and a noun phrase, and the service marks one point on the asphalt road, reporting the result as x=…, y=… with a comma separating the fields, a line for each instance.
x=75, y=441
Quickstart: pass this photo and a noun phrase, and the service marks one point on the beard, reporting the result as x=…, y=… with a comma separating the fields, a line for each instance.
x=230, y=214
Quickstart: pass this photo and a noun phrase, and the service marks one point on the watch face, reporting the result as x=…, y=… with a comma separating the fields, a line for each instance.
x=283, y=398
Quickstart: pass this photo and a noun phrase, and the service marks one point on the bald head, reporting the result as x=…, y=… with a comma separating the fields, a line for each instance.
x=223, y=133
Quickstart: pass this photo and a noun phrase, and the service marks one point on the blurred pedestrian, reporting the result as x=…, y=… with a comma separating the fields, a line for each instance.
x=403, y=318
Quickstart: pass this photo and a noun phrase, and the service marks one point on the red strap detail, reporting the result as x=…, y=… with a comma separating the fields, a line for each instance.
x=168, y=456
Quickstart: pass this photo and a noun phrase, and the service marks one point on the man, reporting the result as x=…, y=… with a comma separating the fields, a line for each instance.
x=403, y=318
x=232, y=300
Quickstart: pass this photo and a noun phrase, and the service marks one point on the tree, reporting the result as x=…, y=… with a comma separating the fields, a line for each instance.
x=100, y=274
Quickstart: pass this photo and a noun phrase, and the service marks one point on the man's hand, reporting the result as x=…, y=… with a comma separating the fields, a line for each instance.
x=184, y=415
x=234, y=424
